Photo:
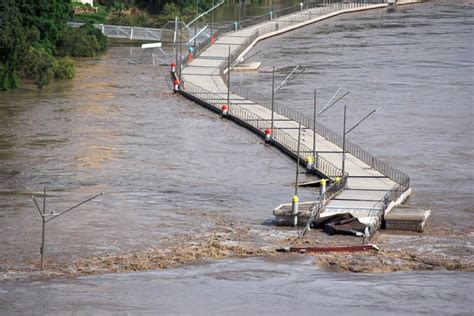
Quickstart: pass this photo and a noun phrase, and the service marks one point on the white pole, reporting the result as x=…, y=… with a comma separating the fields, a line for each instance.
x=175, y=29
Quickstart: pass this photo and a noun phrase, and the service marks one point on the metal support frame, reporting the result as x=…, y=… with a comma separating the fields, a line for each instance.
x=344, y=133
x=52, y=215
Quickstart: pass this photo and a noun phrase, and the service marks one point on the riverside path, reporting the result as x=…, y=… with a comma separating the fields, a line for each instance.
x=367, y=189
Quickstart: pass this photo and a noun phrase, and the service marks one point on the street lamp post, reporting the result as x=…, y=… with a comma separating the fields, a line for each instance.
x=273, y=100
x=344, y=140
x=316, y=115
x=240, y=13
x=314, y=130
x=195, y=23
x=228, y=81
x=350, y=130
x=212, y=18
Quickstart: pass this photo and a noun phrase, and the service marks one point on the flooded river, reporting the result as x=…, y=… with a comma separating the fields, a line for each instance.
x=172, y=171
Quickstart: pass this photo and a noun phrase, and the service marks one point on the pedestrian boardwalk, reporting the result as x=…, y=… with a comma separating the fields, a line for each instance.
x=366, y=189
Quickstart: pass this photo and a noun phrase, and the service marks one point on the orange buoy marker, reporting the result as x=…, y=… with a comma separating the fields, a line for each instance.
x=268, y=135
x=173, y=67
x=176, y=85
x=190, y=56
x=225, y=110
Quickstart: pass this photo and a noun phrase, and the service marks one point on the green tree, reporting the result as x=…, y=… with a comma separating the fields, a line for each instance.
x=38, y=65
x=12, y=43
x=48, y=17
x=86, y=41
x=32, y=32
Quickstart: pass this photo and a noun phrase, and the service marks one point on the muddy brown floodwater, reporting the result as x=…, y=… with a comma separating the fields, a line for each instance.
x=182, y=185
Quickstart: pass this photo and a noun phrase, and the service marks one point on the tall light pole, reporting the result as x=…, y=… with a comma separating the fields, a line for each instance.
x=344, y=133
x=316, y=115
x=228, y=81
x=274, y=13
x=344, y=141
x=212, y=18
x=298, y=159
x=195, y=23
x=273, y=100
x=314, y=129
x=240, y=11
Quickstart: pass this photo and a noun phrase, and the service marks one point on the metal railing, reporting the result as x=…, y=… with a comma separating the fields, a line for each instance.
x=286, y=140
x=334, y=189
x=375, y=163
x=324, y=7
x=126, y=32
x=260, y=123
x=327, y=7
x=307, y=11
x=377, y=212
x=210, y=98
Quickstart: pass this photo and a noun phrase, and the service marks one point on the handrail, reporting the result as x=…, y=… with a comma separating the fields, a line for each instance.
x=322, y=130
x=286, y=140
x=280, y=136
x=334, y=189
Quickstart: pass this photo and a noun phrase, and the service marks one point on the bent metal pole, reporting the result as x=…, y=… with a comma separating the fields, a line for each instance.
x=52, y=215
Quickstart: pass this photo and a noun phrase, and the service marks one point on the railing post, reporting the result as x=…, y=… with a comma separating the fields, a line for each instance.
x=344, y=142
x=295, y=198
x=273, y=99
x=228, y=80
x=314, y=130
x=322, y=191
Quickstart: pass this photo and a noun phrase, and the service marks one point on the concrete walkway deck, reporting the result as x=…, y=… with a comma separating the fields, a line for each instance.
x=370, y=188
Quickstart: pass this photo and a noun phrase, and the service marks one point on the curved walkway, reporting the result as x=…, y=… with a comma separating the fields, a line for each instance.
x=371, y=186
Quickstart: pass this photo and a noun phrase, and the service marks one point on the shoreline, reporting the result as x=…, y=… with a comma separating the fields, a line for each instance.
x=230, y=242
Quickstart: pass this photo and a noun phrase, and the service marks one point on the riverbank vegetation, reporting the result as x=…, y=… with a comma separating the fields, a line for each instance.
x=143, y=13
x=36, y=43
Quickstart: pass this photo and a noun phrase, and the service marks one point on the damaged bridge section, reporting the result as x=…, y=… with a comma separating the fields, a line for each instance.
x=365, y=187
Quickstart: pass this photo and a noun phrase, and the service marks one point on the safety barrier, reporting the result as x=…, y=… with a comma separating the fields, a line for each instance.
x=334, y=189
x=260, y=123
x=327, y=6
x=286, y=140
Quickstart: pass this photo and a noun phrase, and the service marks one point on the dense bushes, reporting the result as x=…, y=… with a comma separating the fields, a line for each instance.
x=64, y=68
x=85, y=41
x=35, y=42
x=41, y=67
x=154, y=13
x=37, y=64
